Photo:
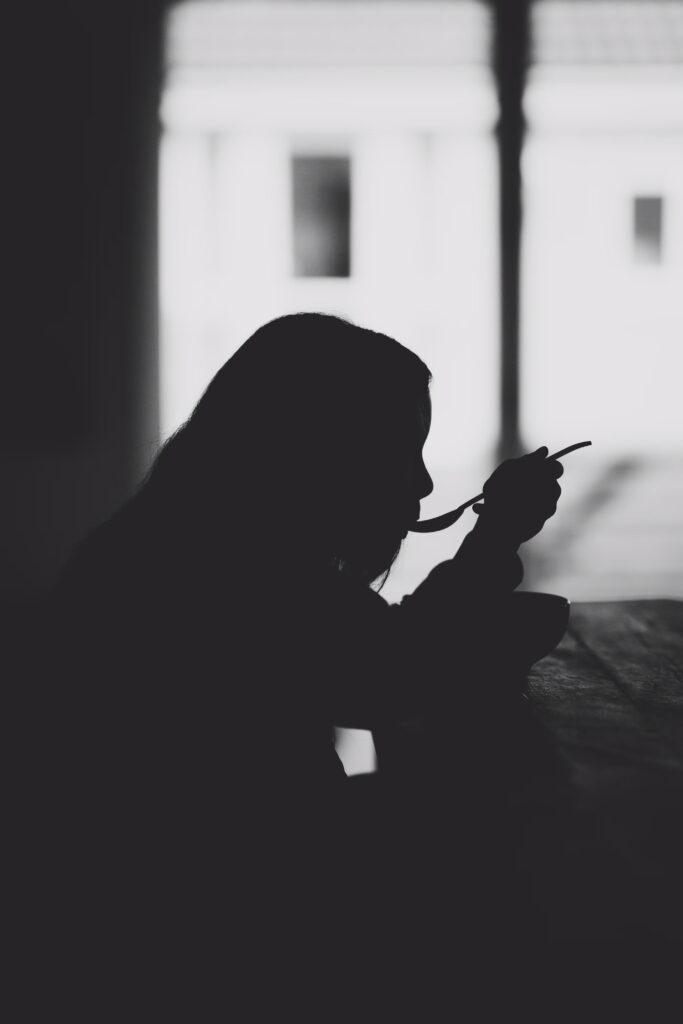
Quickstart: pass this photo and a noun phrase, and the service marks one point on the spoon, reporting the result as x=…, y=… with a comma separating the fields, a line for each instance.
x=448, y=518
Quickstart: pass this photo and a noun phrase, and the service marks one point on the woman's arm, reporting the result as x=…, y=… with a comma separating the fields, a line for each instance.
x=391, y=662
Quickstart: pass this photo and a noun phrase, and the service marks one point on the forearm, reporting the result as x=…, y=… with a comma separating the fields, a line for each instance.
x=393, y=661
x=488, y=560
x=487, y=565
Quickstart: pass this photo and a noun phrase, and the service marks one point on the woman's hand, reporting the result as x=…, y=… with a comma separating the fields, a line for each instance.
x=520, y=495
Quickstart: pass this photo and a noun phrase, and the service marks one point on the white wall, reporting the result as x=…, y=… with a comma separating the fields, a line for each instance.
x=423, y=225
x=602, y=334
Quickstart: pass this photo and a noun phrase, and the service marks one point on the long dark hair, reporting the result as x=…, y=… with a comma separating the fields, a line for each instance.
x=285, y=428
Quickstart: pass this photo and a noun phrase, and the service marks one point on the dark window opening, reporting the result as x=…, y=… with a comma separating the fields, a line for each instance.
x=648, y=217
x=321, y=207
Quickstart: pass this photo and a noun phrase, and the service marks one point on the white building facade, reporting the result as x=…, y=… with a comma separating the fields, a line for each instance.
x=602, y=302
x=399, y=94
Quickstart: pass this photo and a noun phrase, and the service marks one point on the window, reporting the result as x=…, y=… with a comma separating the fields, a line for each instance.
x=321, y=209
x=648, y=215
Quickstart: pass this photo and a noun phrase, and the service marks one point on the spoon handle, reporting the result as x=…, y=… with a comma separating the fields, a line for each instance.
x=448, y=518
x=570, y=448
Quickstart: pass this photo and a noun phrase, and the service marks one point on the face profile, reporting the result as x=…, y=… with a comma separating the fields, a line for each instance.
x=399, y=480
x=310, y=434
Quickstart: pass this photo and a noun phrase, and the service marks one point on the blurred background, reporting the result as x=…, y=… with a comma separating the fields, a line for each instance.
x=497, y=184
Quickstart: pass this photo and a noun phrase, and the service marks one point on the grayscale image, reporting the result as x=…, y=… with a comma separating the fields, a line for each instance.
x=341, y=425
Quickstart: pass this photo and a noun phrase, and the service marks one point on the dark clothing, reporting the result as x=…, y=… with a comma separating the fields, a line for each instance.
x=230, y=672
x=191, y=790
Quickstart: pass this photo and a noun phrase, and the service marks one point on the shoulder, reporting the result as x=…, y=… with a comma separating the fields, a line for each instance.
x=331, y=589
x=107, y=565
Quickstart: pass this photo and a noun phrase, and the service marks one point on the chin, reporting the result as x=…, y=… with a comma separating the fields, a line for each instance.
x=371, y=552
x=376, y=561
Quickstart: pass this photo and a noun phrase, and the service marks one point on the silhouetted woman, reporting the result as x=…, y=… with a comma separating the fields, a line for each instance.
x=216, y=629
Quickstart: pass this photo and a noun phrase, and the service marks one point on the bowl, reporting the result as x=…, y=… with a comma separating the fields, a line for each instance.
x=534, y=624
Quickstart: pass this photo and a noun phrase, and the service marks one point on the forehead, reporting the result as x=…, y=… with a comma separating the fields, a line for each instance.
x=405, y=418
x=425, y=413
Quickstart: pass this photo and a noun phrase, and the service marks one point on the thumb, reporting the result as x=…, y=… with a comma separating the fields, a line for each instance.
x=542, y=451
x=477, y=508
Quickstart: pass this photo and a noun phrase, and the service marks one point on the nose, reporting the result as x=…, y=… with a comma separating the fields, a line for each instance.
x=425, y=482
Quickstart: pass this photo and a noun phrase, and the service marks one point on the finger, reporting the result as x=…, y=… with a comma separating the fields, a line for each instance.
x=550, y=498
x=477, y=508
x=551, y=509
x=556, y=468
x=541, y=452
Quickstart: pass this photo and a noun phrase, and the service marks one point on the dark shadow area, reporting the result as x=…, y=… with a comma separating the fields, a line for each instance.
x=78, y=391
x=182, y=839
x=184, y=822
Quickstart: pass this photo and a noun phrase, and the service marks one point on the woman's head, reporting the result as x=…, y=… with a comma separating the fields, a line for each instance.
x=312, y=433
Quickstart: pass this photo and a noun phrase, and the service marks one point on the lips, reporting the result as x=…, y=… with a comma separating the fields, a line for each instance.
x=410, y=519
